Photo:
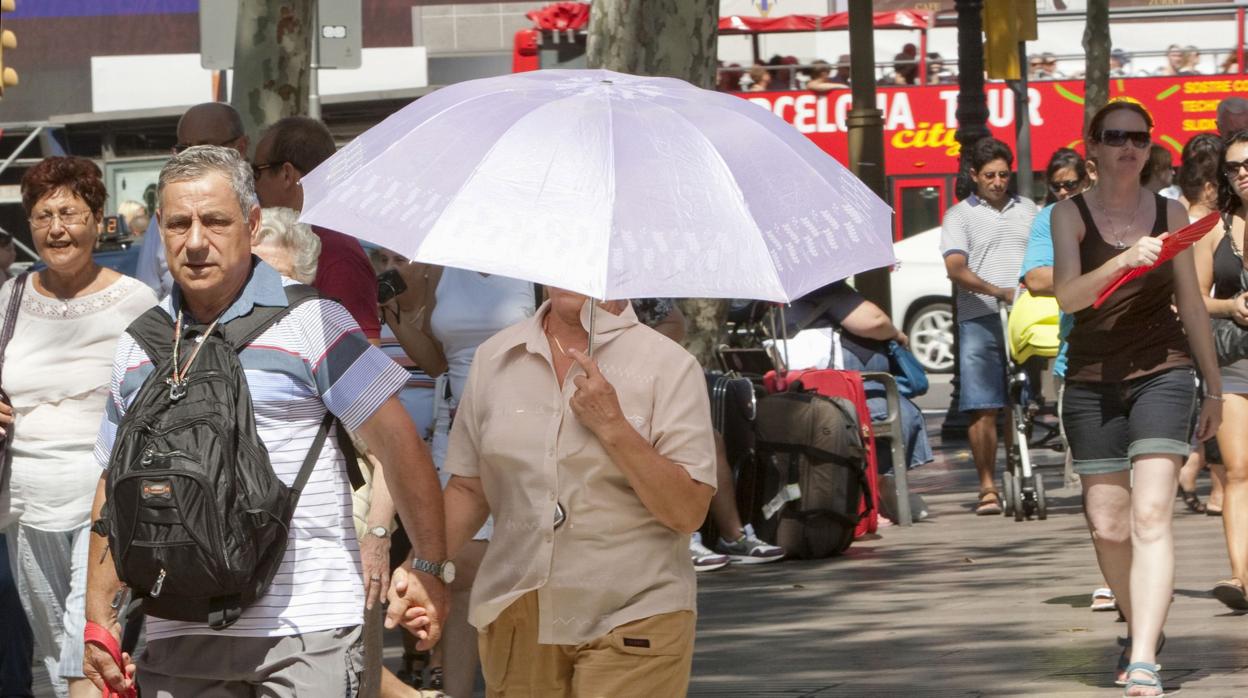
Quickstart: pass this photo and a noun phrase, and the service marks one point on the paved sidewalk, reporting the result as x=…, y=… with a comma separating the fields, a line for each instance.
x=958, y=605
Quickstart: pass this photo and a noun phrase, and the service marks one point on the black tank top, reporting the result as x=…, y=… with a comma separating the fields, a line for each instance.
x=1228, y=266
x=1137, y=331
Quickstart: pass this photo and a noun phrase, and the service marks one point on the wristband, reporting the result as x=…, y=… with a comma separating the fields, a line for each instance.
x=1219, y=398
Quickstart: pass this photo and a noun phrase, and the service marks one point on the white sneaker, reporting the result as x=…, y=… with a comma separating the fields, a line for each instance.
x=705, y=559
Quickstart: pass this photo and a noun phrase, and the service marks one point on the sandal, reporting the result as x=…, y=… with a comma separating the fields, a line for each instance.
x=1150, y=680
x=1231, y=593
x=1122, y=669
x=988, y=508
x=1103, y=600
x=1192, y=500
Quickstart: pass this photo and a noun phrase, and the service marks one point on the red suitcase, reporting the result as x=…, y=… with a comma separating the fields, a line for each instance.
x=846, y=385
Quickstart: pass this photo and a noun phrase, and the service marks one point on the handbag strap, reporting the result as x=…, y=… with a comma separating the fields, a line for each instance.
x=10, y=315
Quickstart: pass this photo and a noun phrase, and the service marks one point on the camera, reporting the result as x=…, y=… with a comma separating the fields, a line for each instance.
x=389, y=285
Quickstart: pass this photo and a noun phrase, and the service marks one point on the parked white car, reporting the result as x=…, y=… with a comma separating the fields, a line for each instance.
x=922, y=302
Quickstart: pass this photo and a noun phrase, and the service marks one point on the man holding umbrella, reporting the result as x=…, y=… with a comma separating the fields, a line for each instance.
x=596, y=471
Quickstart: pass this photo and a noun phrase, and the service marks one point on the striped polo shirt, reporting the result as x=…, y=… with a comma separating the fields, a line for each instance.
x=313, y=359
x=994, y=243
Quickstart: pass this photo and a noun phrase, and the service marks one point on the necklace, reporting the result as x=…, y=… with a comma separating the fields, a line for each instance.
x=177, y=382
x=553, y=338
x=1113, y=228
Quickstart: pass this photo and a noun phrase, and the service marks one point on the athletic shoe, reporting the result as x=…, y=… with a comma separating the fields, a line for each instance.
x=705, y=559
x=749, y=549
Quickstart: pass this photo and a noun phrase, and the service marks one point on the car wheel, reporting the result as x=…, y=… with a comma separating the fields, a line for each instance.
x=931, y=337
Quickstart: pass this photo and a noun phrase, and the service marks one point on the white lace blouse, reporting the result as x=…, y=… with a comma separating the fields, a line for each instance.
x=56, y=372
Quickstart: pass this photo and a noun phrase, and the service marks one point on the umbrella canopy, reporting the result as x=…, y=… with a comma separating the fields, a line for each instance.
x=610, y=185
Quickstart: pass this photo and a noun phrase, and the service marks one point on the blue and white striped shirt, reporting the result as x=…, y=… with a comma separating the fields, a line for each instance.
x=313, y=359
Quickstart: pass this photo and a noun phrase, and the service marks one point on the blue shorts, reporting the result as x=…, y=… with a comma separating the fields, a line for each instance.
x=981, y=364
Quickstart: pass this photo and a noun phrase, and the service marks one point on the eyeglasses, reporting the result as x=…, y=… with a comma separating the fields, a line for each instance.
x=1233, y=168
x=183, y=146
x=1069, y=185
x=68, y=218
x=1117, y=138
x=1004, y=174
x=257, y=169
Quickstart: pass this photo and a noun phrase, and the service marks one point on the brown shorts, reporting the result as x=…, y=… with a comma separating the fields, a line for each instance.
x=647, y=657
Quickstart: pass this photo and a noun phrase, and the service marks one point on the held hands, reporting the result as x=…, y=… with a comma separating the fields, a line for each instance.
x=1144, y=252
x=98, y=666
x=418, y=602
x=6, y=418
x=595, y=403
x=1210, y=419
x=375, y=560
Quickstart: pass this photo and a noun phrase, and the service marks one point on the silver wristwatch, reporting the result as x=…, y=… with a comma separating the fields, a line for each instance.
x=442, y=570
x=379, y=531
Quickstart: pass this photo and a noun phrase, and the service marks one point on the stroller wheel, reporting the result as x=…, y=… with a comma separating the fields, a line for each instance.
x=1042, y=509
x=1020, y=504
x=1007, y=492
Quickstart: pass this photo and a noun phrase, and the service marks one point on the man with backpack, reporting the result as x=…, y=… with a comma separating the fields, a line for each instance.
x=225, y=502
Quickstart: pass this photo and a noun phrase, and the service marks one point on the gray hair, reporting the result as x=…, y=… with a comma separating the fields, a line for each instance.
x=280, y=227
x=1231, y=108
x=202, y=160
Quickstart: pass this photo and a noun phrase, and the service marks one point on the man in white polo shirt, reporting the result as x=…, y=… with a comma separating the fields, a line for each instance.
x=983, y=239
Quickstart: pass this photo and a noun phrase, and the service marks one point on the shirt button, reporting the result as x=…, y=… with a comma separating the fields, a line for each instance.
x=552, y=496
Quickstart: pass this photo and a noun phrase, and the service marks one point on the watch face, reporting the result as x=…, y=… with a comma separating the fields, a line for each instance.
x=448, y=571
x=379, y=531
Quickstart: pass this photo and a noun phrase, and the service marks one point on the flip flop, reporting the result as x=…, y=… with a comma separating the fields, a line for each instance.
x=1103, y=600
x=1232, y=594
x=986, y=508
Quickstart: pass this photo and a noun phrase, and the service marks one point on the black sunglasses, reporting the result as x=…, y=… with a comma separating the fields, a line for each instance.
x=1117, y=138
x=183, y=146
x=1069, y=185
x=257, y=169
x=1232, y=167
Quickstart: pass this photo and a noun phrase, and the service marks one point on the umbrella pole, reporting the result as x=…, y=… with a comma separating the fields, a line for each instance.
x=590, y=349
x=784, y=337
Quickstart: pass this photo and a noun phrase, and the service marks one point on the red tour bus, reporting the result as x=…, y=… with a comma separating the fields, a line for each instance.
x=921, y=152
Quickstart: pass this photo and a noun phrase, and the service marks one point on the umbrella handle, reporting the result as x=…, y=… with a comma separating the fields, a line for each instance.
x=589, y=350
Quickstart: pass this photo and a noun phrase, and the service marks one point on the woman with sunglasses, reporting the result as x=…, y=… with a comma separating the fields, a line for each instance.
x=1220, y=267
x=1130, y=378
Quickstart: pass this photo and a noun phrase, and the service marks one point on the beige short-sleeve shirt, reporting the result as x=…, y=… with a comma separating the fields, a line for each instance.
x=611, y=562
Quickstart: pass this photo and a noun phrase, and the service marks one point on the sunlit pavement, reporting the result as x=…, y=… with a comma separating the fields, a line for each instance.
x=957, y=605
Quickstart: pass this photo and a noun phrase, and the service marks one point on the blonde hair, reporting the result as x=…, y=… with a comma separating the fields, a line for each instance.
x=280, y=227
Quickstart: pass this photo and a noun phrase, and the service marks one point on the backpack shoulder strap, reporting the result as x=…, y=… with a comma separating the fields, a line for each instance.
x=153, y=331
x=244, y=330
x=309, y=461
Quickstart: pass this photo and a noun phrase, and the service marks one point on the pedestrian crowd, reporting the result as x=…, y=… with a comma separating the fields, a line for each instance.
x=1150, y=390
x=456, y=453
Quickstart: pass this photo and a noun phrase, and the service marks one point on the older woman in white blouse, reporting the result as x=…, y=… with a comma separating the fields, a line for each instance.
x=56, y=375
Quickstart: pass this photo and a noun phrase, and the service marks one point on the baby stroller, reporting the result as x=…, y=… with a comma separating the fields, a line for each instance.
x=1031, y=332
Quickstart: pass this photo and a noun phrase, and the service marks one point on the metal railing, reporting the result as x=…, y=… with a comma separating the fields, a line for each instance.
x=890, y=428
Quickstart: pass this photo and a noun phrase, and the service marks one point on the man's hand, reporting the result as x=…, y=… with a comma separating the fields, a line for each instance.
x=418, y=602
x=375, y=560
x=98, y=666
x=595, y=403
x=1144, y=252
x=6, y=418
x=1005, y=295
x=1210, y=419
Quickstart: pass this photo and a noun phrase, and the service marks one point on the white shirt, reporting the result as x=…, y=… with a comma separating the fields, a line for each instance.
x=56, y=372
x=470, y=309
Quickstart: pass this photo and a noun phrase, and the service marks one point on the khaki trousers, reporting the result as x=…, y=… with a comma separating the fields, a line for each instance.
x=650, y=657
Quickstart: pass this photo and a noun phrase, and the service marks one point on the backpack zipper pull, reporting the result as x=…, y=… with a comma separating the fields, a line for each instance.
x=160, y=582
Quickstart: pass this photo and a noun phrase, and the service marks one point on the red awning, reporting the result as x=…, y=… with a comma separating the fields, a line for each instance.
x=902, y=19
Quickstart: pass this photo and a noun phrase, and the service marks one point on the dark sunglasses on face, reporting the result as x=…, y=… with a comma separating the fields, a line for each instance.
x=1004, y=174
x=1069, y=185
x=1117, y=138
x=1233, y=168
x=258, y=168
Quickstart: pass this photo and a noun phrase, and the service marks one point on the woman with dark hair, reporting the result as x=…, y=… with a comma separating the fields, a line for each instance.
x=1220, y=265
x=1130, y=380
x=1158, y=173
x=57, y=370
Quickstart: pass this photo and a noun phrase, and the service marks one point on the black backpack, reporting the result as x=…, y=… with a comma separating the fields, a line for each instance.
x=813, y=461
x=195, y=516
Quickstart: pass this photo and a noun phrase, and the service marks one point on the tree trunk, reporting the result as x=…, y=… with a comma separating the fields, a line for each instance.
x=272, y=61
x=1096, y=47
x=670, y=38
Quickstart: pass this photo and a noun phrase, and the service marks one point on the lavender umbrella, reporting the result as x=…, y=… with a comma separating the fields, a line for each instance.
x=610, y=185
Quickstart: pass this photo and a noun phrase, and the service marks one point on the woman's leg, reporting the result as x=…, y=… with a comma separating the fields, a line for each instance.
x=459, y=639
x=724, y=503
x=1152, y=539
x=1234, y=442
x=1107, y=506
